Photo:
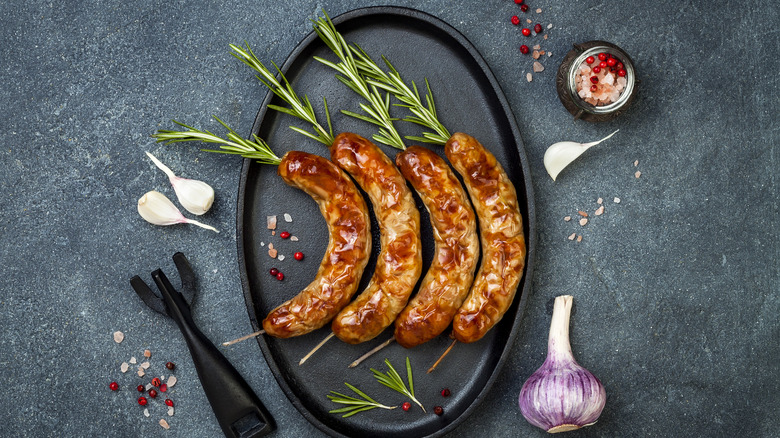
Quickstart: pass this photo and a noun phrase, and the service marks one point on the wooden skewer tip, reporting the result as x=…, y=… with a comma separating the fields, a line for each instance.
x=244, y=338
x=433, y=367
x=370, y=353
x=317, y=347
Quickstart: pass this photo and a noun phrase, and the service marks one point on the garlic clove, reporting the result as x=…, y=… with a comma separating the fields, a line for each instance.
x=157, y=209
x=195, y=196
x=561, y=154
x=561, y=395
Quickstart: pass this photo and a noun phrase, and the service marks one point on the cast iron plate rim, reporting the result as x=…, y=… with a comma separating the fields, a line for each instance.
x=529, y=219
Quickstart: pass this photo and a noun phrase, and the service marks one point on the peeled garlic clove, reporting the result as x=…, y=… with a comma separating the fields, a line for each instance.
x=561, y=154
x=195, y=196
x=157, y=209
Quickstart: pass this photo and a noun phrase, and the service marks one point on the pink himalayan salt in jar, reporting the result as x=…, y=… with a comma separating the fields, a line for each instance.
x=605, y=97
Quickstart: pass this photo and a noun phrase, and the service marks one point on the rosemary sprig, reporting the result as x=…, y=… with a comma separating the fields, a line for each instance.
x=300, y=108
x=354, y=404
x=255, y=149
x=378, y=108
x=393, y=380
x=392, y=82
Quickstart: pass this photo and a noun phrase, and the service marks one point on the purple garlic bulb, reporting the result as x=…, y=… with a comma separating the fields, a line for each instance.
x=561, y=395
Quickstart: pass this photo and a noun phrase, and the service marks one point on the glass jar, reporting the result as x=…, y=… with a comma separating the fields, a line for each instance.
x=567, y=87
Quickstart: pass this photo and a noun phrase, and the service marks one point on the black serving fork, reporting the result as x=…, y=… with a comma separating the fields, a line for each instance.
x=239, y=411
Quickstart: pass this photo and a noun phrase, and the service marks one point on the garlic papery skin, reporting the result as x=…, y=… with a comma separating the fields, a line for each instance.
x=195, y=196
x=561, y=395
x=157, y=209
x=561, y=154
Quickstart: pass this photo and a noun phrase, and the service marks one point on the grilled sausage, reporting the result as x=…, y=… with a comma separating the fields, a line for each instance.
x=451, y=273
x=501, y=232
x=346, y=256
x=399, y=262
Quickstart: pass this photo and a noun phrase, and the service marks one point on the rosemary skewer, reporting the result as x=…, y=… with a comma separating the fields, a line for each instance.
x=378, y=107
x=256, y=149
x=392, y=82
x=300, y=108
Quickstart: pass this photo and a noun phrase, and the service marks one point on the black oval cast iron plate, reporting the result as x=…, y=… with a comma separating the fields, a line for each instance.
x=468, y=99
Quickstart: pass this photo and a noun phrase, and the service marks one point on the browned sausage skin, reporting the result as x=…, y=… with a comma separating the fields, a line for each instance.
x=346, y=256
x=449, y=277
x=501, y=230
x=399, y=262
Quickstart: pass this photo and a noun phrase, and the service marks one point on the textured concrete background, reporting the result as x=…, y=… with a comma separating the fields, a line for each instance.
x=676, y=287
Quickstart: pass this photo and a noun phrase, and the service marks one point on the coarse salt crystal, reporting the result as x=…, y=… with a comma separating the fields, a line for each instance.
x=536, y=54
x=145, y=365
x=170, y=411
x=545, y=36
x=262, y=243
x=599, y=211
x=272, y=252
x=149, y=386
x=529, y=77
x=549, y=26
x=636, y=163
x=583, y=221
x=133, y=360
x=572, y=236
x=538, y=67
x=293, y=239
x=287, y=217
x=638, y=174
x=528, y=20
x=146, y=412
x=567, y=218
x=147, y=353
x=141, y=372
x=539, y=10
x=600, y=201
x=280, y=258
x=271, y=220
x=579, y=238
x=582, y=213
x=616, y=200
x=549, y=53
x=119, y=337
x=537, y=47
x=124, y=367
x=171, y=381
x=164, y=424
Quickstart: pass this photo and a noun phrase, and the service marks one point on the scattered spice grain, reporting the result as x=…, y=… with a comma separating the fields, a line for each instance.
x=119, y=337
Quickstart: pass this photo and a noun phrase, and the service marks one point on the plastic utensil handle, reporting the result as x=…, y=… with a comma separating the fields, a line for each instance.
x=238, y=409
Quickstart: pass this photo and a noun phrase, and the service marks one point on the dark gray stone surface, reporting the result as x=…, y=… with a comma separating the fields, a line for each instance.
x=676, y=287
